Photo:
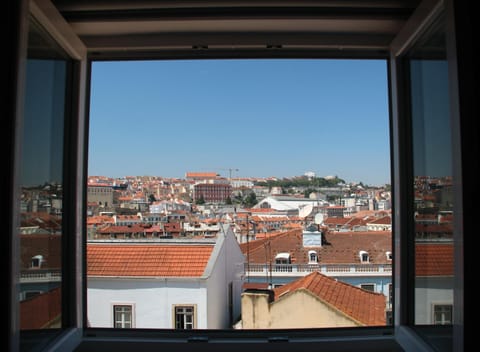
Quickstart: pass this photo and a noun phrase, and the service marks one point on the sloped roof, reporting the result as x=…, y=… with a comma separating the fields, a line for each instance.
x=47, y=245
x=147, y=260
x=385, y=220
x=434, y=259
x=42, y=310
x=201, y=175
x=365, y=307
x=337, y=247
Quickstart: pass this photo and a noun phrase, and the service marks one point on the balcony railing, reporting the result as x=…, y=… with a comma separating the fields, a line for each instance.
x=327, y=269
x=40, y=275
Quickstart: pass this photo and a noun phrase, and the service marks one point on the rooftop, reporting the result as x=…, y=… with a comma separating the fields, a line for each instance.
x=147, y=260
x=365, y=307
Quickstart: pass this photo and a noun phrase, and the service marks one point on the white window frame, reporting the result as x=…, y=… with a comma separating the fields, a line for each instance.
x=362, y=255
x=37, y=259
x=193, y=307
x=113, y=305
x=314, y=255
x=434, y=313
x=389, y=255
x=362, y=286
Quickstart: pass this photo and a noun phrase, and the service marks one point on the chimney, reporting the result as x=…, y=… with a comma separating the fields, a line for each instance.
x=256, y=308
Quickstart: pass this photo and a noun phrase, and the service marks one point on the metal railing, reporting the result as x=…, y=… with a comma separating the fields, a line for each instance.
x=327, y=269
x=40, y=275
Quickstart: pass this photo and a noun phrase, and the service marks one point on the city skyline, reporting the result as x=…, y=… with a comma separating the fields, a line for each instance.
x=266, y=118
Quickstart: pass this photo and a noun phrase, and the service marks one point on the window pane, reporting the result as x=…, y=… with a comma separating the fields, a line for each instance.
x=42, y=185
x=170, y=119
x=432, y=167
x=123, y=316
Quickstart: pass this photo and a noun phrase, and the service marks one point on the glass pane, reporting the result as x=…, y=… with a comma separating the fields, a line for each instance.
x=196, y=129
x=433, y=195
x=42, y=187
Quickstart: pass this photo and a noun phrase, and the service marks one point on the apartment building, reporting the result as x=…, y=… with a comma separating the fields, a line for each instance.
x=165, y=284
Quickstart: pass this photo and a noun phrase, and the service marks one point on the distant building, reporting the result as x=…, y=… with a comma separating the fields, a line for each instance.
x=200, y=176
x=381, y=224
x=290, y=205
x=100, y=193
x=212, y=192
x=335, y=211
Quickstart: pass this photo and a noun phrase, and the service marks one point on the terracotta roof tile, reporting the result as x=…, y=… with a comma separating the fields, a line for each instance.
x=337, y=248
x=434, y=259
x=365, y=307
x=159, y=260
x=48, y=246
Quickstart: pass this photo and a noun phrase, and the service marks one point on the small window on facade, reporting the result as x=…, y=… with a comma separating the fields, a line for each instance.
x=123, y=316
x=30, y=294
x=282, y=258
x=368, y=287
x=184, y=317
x=312, y=257
x=389, y=255
x=37, y=261
x=364, y=258
x=442, y=314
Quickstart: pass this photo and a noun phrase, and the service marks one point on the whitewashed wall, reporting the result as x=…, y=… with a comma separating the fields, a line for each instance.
x=227, y=267
x=152, y=300
x=428, y=292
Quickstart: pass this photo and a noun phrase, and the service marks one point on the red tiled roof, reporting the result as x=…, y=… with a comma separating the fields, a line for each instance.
x=385, y=220
x=43, y=220
x=201, y=174
x=99, y=219
x=337, y=248
x=434, y=259
x=365, y=307
x=255, y=286
x=434, y=228
x=41, y=311
x=336, y=221
x=48, y=246
x=147, y=260
x=136, y=228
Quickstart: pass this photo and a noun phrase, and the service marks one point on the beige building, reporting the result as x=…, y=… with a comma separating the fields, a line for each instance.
x=314, y=301
x=101, y=194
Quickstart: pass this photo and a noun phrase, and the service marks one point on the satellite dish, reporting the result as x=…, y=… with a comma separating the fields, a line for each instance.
x=305, y=210
x=318, y=219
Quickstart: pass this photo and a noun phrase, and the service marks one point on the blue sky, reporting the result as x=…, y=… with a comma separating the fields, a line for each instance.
x=263, y=117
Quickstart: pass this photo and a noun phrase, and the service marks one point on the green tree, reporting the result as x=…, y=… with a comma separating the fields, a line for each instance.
x=200, y=200
x=151, y=198
x=250, y=200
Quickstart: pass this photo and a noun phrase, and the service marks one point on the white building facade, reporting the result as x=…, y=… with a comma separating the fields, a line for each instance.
x=183, y=300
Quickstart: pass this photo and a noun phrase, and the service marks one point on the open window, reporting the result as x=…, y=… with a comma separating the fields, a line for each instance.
x=425, y=43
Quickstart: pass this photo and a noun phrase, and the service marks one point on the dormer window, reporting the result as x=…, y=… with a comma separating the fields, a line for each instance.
x=364, y=257
x=282, y=258
x=389, y=255
x=312, y=257
x=37, y=261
